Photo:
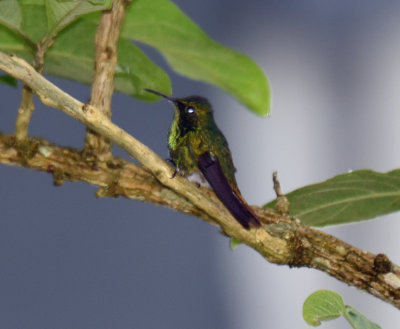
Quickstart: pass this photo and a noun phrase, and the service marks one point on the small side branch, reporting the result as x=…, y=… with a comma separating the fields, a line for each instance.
x=27, y=106
x=24, y=115
x=103, y=80
x=282, y=202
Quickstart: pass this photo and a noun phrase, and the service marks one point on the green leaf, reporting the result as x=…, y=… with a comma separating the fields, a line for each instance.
x=156, y=22
x=10, y=14
x=162, y=25
x=34, y=19
x=135, y=71
x=60, y=14
x=359, y=320
x=11, y=42
x=322, y=305
x=346, y=198
x=72, y=57
x=8, y=80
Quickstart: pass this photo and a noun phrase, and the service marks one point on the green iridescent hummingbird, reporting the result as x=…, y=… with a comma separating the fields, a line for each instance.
x=200, y=152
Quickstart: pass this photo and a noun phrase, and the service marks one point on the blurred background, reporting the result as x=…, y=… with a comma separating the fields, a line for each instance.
x=69, y=260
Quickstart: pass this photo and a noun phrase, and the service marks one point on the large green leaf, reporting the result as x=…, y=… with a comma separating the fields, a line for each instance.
x=61, y=13
x=158, y=23
x=135, y=71
x=11, y=42
x=10, y=14
x=162, y=25
x=346, y=198
x=35, y=19
x=72, y=57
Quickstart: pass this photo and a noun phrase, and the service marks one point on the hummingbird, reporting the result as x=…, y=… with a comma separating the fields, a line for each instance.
x=200, y=152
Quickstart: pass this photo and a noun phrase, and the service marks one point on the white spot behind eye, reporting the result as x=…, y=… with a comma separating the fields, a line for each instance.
x=190, y=110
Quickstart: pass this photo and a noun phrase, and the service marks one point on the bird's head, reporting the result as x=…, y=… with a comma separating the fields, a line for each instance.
x=194, y=111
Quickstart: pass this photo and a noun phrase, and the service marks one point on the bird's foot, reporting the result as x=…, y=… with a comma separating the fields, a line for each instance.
x=172, y=163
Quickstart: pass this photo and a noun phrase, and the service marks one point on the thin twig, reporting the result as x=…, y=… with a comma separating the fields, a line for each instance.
x=103, y=80
x=27, y=106
x=24, y=115
x=282, y=202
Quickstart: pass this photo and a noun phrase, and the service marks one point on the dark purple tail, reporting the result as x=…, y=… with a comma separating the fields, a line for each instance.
x=231, y=198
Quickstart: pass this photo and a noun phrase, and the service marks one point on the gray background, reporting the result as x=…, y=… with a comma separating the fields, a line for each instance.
x=69, y=260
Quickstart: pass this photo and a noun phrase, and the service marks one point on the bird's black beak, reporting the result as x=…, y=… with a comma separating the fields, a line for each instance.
x=170, y=99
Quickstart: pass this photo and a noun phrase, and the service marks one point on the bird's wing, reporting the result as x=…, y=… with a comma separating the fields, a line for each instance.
x=232, y=199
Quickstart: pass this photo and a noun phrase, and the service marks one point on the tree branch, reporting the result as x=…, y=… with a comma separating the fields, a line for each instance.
x=282, y=240
x=114, y=177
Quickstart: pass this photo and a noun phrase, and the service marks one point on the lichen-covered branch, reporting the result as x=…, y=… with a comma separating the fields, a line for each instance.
x=114, y=177
x=282, y=239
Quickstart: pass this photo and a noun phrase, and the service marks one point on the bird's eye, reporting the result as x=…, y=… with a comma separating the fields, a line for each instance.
x=190, y=110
